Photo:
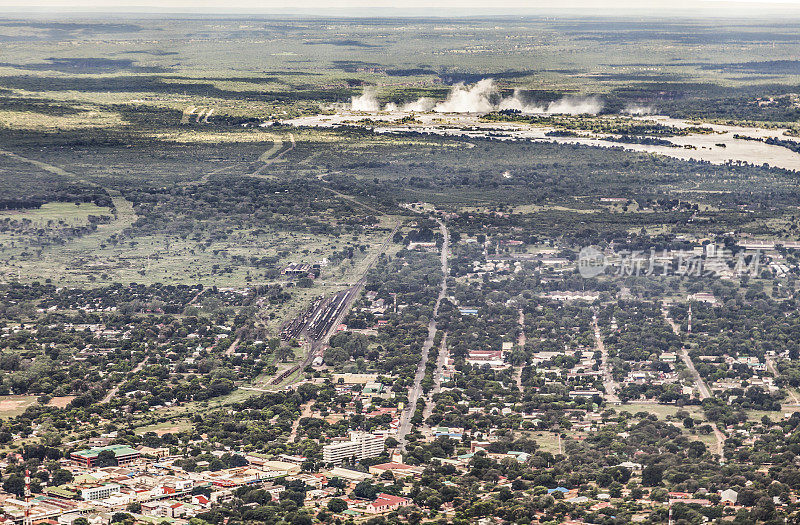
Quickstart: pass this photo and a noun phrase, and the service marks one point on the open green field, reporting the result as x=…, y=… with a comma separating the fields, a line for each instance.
x=547, y=441
x=14, y=405
x=98, y=257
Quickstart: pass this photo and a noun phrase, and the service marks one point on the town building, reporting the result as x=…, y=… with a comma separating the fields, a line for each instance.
x=123, y=454
x=486, y=357
x=100, y=491
x=387, y=503
x=296, y=269
x=361, y=445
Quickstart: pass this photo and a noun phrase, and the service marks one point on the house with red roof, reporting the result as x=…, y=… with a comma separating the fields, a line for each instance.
x=200, y=500
x=486, y=357
x=387, y=503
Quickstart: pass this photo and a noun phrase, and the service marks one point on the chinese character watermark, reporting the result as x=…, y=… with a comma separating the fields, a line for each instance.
x=712, y=262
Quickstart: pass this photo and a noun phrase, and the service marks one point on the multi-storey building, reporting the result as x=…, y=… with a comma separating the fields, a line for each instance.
x=123, y=454
x=100, y=491
x=360, y=446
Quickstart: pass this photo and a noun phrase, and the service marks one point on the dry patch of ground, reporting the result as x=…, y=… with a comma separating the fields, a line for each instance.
x=60, y=401
x=12, y=406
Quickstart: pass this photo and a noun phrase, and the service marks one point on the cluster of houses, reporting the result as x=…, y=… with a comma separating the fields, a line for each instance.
x=153, y=482
x=714, y=257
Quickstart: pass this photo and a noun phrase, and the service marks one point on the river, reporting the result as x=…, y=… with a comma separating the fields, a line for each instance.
x=698, y=146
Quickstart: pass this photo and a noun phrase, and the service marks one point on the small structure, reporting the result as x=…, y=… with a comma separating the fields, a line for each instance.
x=728, y=497
x=397, y=470
x=296, y=269
x=387, y=503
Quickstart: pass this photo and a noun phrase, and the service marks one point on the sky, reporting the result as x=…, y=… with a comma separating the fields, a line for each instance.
x=418, y=7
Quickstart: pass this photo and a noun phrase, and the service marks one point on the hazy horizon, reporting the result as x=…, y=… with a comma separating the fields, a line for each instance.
x=413, y=8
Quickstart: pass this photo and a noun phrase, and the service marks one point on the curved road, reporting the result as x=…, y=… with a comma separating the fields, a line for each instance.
x=416, y=390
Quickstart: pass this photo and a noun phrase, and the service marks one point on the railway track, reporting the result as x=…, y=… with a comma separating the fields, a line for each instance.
x=319, y=321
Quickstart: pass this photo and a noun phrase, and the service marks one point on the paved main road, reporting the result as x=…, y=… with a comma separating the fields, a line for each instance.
x=416, y=390
x=441, y=361
x=705, y=393
x=521, y=341
x=608, y=379
x=773, y=369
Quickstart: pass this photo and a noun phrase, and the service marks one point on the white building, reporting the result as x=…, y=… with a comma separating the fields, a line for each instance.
x=360, y=446
x=100, y=492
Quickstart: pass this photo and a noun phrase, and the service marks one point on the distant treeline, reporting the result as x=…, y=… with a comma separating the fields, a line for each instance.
x=773, y=141
x=649, y=141
x=34, y=202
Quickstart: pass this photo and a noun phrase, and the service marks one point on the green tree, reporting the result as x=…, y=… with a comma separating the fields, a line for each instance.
x=106, y=458
x=337, y=505
x=61, y=476
x=365, y=490
x=293, y=495
x=15, y=484
x=652, y=475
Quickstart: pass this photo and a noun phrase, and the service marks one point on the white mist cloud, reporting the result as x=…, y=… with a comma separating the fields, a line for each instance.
x=563, y=106
x=464, y=99
x=366, y=102
x=516, y=103
x=575, y=106
x=479, y=98
x=638, y=110
x=422, y=104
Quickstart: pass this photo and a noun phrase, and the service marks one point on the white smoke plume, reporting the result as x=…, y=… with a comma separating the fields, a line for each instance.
x=563, y=106
x=638, y=110
x=421, y=105
x=516, y=103
x=464, y=99
x=480, y=97
x=575, y=106
x=366, y=102
x=188, y=112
